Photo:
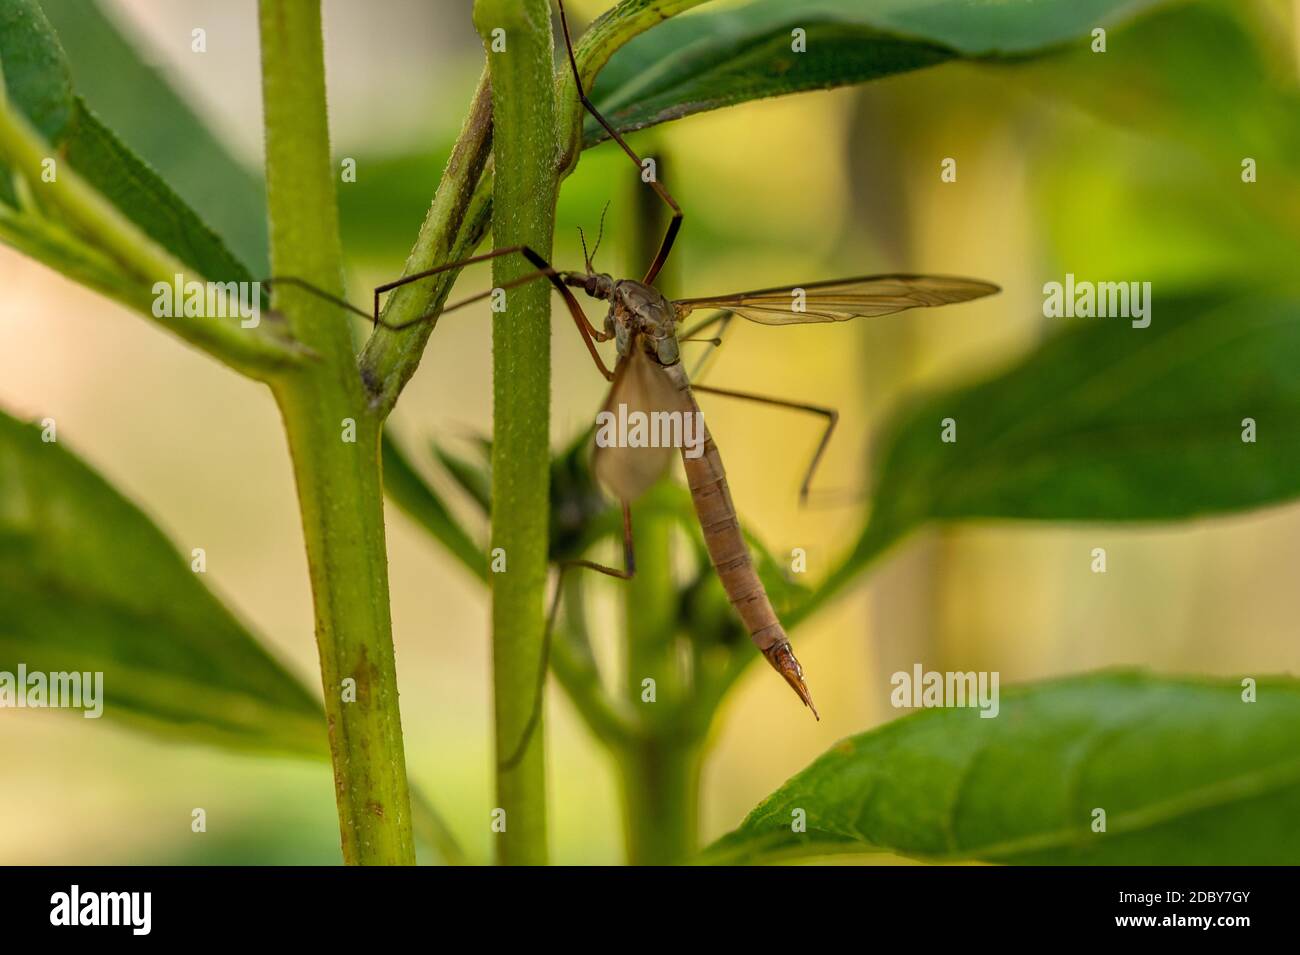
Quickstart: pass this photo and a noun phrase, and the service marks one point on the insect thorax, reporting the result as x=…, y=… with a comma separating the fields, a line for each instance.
x=640, y=311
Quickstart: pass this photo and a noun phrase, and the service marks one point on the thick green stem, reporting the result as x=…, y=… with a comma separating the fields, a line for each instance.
x=517, y=36
x=660, y=779
x=334, y=441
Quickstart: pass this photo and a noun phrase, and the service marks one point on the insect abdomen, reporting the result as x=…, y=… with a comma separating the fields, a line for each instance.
x=707, y=480
x=729, y=553
x=727, y=547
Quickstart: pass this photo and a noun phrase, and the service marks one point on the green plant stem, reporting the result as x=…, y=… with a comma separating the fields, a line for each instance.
x=461, y=211
x=339, y=487
x=659, y=766
x=660, y=782
x=649, y=611
x=524, y=214
x=390, y=358
x=47, y=242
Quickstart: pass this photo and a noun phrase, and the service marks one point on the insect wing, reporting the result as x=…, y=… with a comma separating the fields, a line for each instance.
x=640, y=388
x=842, y=299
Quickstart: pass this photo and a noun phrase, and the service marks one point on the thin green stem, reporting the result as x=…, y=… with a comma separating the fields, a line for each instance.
x=49, y=242
x=390, y=358
x=649, y=610
x=517, y=35
x=659, y=767
x=334, y=440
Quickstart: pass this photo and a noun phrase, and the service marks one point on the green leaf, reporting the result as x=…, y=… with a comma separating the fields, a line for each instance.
x=1116, y=423
x=1186, y=772
x=717, y=58
x=407, y=489
x=88, y=583
x=36, y=76
x=112, y=73
x=135, y=189
x=1148, y=204
x=38, y=83
x=474, y=478
x=1103, y=422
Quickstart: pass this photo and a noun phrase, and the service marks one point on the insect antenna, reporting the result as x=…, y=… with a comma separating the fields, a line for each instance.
x=586, y=257
x=590, y=257
x=600, y=233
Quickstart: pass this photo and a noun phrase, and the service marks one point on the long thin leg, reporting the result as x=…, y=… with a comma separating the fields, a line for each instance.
x=830, y=414
x=628, y=571
x=676, y=223
x=718, y=316
x=725, y=318
x=590, y=334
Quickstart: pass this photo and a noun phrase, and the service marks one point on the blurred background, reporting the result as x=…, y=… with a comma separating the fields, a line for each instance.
x=1123, y=166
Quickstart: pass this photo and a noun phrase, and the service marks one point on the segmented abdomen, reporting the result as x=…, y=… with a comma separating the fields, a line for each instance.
x=707, y=480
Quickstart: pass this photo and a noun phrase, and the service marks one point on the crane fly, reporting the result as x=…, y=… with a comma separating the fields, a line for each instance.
x=649, y=376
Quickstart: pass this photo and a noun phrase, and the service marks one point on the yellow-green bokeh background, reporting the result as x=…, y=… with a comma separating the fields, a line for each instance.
x=800, y=189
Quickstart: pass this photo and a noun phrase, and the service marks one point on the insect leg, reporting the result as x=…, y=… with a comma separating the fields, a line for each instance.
x=590, y=334
x=725, y=319
x=718, y=316
x=628, y=571
x=830, y=414
x=306, y=286
x=675, y=223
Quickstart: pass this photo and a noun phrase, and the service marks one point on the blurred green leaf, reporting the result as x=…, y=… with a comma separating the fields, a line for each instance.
x=113, y=74
x=38, y=84
x=717, y=58
x=473, y=477
x=1168, y=201
x=1160, y=211
x=1104, y=422
x=1154, y=80
x=36, y=76
x=1186, y=772
x=581, y=513
x=88, y=583
x=1110, y=422
x=406, y=488
x=383, y=209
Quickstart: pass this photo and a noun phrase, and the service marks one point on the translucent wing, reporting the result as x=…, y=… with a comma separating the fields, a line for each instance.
x=640, y=387
x=842, y=299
